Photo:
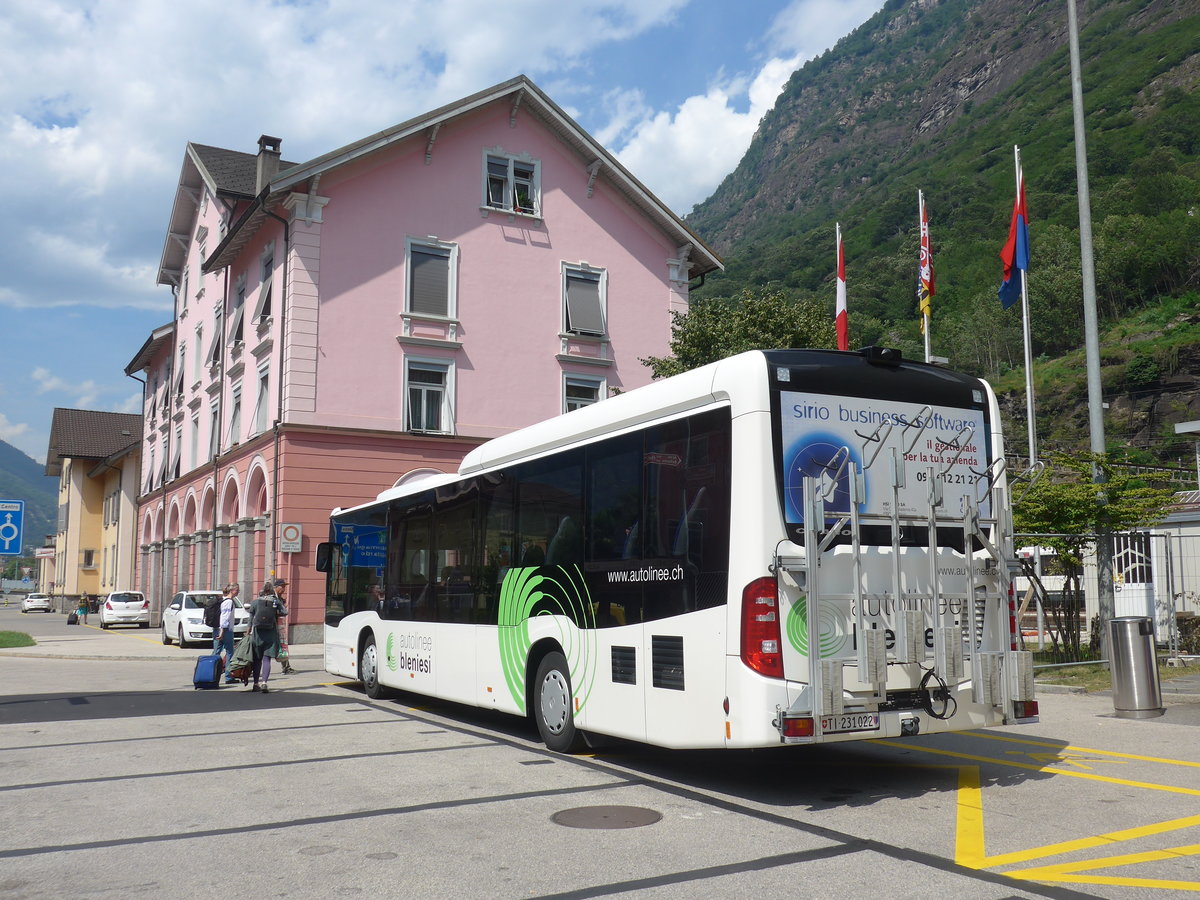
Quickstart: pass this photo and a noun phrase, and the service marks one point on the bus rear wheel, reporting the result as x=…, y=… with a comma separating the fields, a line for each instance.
x=552, y=705
x=368, y=670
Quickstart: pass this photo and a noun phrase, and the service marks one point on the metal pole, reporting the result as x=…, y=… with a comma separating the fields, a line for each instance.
x=1030, y=418
x=1104, y=549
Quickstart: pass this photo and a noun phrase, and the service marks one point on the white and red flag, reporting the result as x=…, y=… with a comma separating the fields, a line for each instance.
x=842, y=321
x=925, y=287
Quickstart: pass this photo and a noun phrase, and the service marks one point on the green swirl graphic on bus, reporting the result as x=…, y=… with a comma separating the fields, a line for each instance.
x=390, y=657
x=833, y=639
x=557, y=591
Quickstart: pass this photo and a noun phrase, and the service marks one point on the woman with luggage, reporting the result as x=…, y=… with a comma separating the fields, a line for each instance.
x=265, y=613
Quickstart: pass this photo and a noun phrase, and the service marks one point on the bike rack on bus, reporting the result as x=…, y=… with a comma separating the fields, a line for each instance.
x=988, y=670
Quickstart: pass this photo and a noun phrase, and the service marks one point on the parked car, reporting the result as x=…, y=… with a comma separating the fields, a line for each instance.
x=183, y=620
x=125, y=608
x=36, y=603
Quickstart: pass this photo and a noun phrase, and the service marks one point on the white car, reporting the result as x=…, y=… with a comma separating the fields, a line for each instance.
x=183, y=620
x=125, y=608
x=34, y=602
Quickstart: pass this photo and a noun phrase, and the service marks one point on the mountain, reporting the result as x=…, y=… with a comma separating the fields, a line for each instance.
x=933, y=95
x=21, y=478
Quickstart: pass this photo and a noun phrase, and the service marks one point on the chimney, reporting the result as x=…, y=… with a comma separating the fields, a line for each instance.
x=268, y=161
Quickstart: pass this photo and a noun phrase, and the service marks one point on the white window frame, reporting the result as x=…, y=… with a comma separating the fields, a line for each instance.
x=214, y=433
x=512, y=183
x=235, y=414
x=446, y=410
x=584, y=272
x=194, y=442
x=262, y=309
x=237, y=314
x=198, y=357
x=173, y=471
x=434, y=247
x=262, y=406
x=570, y=379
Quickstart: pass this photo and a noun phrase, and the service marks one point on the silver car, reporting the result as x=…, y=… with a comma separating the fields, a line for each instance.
x=125, y=608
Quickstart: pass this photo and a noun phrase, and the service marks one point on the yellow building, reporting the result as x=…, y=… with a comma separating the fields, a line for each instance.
x=97, y=458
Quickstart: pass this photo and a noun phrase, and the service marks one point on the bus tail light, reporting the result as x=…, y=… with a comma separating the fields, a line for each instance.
x=800, y=727
x=1025, y=709
x=761, y=636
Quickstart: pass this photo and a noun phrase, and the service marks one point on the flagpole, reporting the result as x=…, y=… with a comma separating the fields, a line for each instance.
x=1030, y=419
x=920, y=237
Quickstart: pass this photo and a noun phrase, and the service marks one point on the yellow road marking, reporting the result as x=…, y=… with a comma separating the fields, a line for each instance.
x=1070, y=872
x=1072, y=747
x=1192, y=792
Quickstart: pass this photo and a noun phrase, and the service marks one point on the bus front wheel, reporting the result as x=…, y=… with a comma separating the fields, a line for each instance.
x=552, y=705
x=368, y=670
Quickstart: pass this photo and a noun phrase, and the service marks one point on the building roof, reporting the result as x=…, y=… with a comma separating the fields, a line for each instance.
x=525, y=98
x=89, y=434
x=159, y=338
x=231, y=174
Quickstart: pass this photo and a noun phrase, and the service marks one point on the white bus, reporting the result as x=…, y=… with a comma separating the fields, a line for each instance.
x=647, y=567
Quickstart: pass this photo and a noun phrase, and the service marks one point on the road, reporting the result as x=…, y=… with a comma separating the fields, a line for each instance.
x=119, y=779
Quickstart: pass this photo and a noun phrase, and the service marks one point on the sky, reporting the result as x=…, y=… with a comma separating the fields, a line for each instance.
x=98, y=99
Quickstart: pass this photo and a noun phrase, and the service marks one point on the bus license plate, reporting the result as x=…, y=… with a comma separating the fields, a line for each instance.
x=848, y=723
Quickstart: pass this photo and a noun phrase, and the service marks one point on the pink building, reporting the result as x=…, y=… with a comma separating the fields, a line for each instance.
x=374, y=313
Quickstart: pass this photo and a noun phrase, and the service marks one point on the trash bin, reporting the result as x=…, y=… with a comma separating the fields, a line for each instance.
x=1136, y=691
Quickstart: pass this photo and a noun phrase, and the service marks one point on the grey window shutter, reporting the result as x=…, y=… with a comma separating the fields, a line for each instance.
x=584, y=314
x=429, y=282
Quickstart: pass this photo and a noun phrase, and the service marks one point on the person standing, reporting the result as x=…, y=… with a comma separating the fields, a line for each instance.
x=265, y=613
x=223, y=634
x=82, y=610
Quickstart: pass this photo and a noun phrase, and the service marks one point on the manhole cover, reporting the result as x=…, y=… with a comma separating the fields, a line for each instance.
x=606, y=817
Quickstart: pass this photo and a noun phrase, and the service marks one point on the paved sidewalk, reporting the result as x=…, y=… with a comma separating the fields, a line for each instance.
x=92, y=642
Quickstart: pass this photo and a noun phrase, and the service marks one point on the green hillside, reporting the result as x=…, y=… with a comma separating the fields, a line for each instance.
x=21, y=478
x=932, y=95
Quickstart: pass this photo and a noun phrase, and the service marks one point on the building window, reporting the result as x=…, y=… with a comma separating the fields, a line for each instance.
x=194, y=442
x=182, y=369
x=214, y=433
x=584, y=300
x=263, y=309
x=215, y=352
x=176, y=454
x=197, y=356
x=150, y=470
x=183, y=287
x=262, y=405
x=511, y=183
x=428, y=388
x=580, y=390
x=431, y=278
x=235, y=414
x=89, y=559
x=235, y=315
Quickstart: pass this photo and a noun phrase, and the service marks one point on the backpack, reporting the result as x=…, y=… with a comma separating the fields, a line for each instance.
x=212, y=615
x=266, y=613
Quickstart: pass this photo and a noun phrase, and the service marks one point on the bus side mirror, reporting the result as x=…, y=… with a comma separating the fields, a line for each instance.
x=324, y=557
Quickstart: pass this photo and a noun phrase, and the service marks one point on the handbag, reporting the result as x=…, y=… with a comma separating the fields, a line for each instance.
x=283, y=651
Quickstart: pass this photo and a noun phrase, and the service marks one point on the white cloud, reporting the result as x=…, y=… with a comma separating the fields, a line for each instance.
x=84, y=393
x=682, y=155
x=10, y=431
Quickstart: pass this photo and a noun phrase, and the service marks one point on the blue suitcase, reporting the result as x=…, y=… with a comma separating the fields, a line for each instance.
x=208, y=671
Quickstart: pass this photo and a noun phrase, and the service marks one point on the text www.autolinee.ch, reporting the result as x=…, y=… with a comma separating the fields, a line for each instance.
x=645, y=573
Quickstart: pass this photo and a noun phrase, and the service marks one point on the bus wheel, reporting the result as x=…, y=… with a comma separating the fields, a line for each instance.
x=552, y=705
x=368, y=670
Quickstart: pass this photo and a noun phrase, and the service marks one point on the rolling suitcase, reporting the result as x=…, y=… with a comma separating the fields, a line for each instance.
x=73, y=618
x=208, y=671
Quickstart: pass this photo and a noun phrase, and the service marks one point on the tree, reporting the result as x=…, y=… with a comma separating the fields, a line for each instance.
x=1068, y=510
x=754, y=319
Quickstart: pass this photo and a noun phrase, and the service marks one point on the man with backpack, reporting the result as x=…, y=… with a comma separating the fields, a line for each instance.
x=219, y=617
x=265, y=613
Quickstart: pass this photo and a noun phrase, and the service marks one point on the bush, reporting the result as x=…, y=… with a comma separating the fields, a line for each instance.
x=1189, y=635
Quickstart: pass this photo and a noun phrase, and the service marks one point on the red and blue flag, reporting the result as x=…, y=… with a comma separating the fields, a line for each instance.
x=1015, y=254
